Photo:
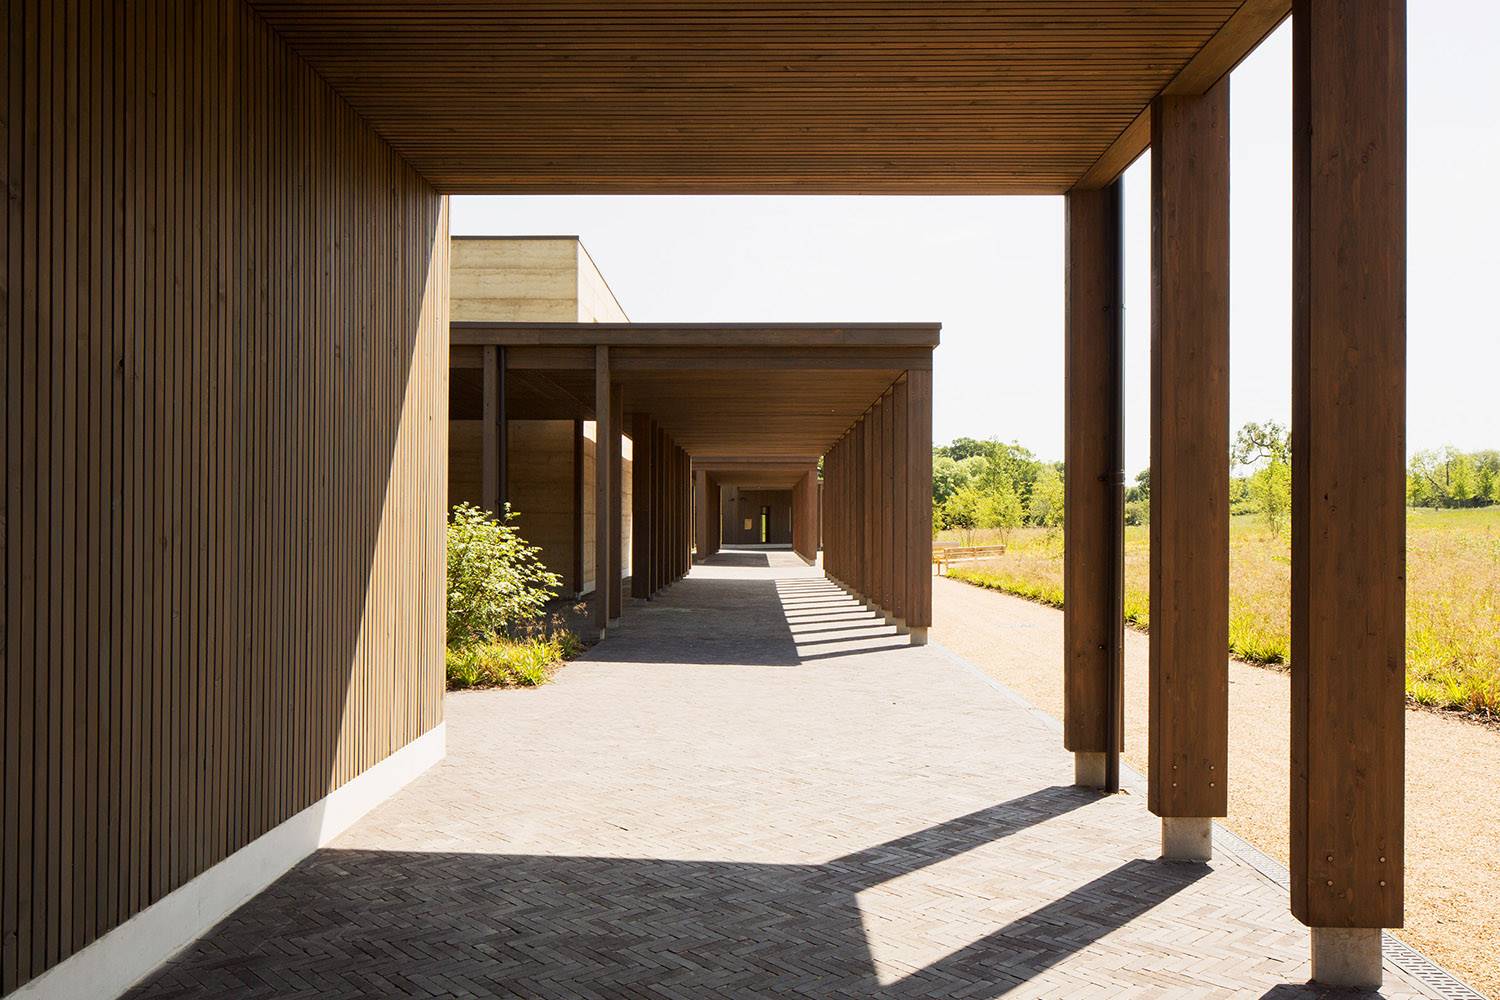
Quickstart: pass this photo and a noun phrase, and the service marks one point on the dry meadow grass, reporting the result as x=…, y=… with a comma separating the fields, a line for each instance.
x=1453, y=596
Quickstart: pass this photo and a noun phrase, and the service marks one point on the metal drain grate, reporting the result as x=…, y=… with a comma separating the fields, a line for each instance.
x=1398, y=953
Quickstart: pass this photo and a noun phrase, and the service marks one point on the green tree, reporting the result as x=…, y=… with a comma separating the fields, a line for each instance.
x=496, y=581
x=961, y=511
x=1463, y=480
x=1487, y=488
x=964, y=447
x=1448, y=477
x=1045, y=508
x=946, y=479
x=1240, y=500
x=1256, y=443
x=1000, y=509
x=1271, y=488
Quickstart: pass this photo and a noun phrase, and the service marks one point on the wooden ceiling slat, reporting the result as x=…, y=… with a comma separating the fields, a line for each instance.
x=584, y=96
x=720, y=389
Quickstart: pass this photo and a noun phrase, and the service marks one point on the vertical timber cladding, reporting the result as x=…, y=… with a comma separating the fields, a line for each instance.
x=1348, y=472
x=1189, y=673
x=1094, y=539
x=224, y=449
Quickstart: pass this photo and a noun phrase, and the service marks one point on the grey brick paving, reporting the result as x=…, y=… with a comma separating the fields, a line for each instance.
x=751, y=790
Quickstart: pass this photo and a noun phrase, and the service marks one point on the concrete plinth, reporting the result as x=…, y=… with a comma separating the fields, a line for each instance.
x=1089, y=768
x=918, y=636
x=1187, y=838
x=1347, y=957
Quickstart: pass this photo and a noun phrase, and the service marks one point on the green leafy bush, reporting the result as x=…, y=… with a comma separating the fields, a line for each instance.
x=509, y=662
x=497, y=584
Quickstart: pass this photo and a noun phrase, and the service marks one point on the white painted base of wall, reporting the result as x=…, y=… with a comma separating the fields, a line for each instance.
x=124, y=956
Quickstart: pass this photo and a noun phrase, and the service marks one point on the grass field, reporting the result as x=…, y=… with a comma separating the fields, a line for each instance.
x=1453, y=596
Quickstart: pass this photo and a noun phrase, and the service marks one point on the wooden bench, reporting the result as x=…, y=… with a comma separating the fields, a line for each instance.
x=963, y=553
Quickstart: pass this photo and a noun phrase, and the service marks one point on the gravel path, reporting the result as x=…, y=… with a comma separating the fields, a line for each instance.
x=1452, y=781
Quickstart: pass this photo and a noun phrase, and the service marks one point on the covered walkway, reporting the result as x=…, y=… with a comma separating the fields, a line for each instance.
x=754, y=789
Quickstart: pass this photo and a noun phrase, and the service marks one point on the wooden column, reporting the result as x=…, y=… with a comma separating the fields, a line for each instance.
x=919, y=501
x=715, y=515
x=1348, y=468
x=700, y=513
x=1189, y=675
x=688, y=508
x=833, y=555
x=495, y=439
x=659, y=543
x=859, y=515
x=682, y=539
x=578, y=507
x=603, y=412
x=640, y=506
x=616, y=499
x=674, y=509
x=805, y=516
x=878, y=511
x=831, y=511
x=888, y=505
x=846, y=512
x=669, y=532
x=1093, y=468
x=901, y=568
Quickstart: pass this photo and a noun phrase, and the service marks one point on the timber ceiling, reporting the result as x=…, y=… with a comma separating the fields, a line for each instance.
x=764, y=96
x=723, y=390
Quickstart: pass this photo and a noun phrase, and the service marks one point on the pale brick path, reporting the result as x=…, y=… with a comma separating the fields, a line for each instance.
x=750, y=791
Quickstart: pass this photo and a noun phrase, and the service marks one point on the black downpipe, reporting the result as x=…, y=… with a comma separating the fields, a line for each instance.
x=502, y=416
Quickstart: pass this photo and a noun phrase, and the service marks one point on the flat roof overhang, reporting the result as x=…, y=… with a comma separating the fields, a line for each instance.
x=726, y=390
x=769, y=472
x=756, y=96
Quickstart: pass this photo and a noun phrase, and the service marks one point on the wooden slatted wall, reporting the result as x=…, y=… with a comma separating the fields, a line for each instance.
x=224, y=448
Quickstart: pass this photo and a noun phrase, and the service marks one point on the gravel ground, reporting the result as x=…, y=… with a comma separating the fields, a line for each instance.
x=1452, y=770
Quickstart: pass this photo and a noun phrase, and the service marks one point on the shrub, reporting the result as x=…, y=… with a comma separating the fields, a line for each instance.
x=509, y=662
x=496, y=582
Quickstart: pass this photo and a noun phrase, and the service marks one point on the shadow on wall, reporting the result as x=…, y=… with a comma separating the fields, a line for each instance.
x=405, y=923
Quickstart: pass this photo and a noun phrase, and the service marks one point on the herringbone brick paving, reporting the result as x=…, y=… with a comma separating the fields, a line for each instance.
x=753, y=790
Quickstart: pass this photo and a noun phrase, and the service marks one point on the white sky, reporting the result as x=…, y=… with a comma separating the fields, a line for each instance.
x=991, y=269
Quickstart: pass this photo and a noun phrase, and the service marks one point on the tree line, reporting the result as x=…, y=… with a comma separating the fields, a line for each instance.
x=990, y=484
x=994, y=485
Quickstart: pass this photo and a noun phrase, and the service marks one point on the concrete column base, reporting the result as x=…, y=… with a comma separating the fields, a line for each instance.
x=1187, y=838
x=1347, y=957
x=918, y=636
x=1088, y=768
x=900, y=624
